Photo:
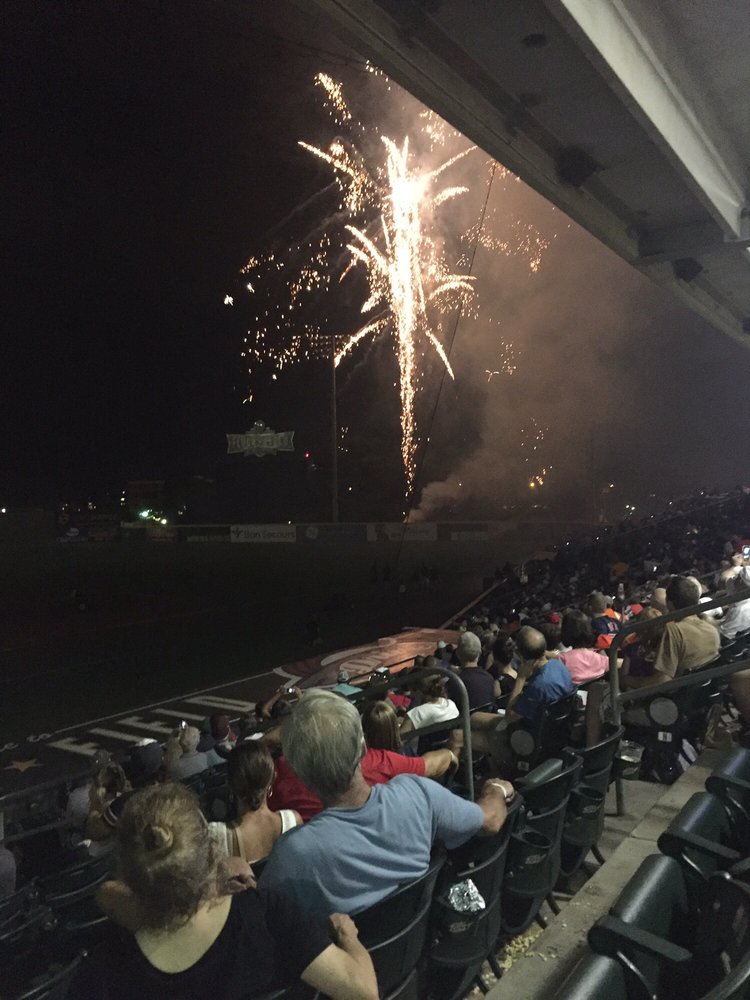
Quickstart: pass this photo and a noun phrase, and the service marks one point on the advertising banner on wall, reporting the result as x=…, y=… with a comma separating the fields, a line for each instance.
x=162, y=532
x=263, y=533
x=470, y=532
x=421, y=531
x=331, y=533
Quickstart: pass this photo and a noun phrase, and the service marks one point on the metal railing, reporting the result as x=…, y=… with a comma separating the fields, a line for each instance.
x=684, y=680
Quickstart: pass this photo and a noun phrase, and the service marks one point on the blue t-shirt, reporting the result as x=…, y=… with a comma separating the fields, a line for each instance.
x=346, y=860
x=547, y=684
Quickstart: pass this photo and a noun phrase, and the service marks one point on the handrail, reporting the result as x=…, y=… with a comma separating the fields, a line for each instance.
x=637, y=628
x=481, y=597
x=688, y=679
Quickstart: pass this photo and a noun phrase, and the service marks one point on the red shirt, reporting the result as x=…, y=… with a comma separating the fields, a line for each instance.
x=399, y=700
x=378, y=766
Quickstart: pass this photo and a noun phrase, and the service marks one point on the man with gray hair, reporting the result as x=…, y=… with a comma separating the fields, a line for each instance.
x=481, y=686
x=367, y=841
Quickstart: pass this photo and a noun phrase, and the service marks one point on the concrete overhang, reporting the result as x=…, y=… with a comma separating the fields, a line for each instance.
x=629, y=116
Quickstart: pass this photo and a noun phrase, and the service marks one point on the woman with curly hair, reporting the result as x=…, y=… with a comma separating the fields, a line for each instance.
x=190, y=938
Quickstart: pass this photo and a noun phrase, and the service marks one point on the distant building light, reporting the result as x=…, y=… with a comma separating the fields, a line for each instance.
x=144, y=513
x=3, y=510
x=163, y=520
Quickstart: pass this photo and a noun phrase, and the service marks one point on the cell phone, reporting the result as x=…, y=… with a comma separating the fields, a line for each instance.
x=746, y=551
x=290, y=690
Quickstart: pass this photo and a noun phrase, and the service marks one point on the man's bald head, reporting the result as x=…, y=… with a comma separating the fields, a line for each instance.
x=530, y=643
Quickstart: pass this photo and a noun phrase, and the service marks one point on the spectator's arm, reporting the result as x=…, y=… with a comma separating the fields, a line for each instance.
x=406, y=725
x=517, y=691
x=344, y=971
x=493, y=803
x=119, y=903
x=437, y=762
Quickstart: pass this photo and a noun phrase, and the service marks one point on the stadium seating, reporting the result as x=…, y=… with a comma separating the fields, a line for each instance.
x=54, y=984
x=684, y=943
x=533, y=865
x=702, y=837
x=731, y=783
x=551, y=731
x=394, y=931
x=679, y=929
x=461, y=941
x=584, y=819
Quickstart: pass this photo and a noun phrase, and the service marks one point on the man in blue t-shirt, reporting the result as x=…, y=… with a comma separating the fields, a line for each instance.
x=367, y=841
x=539, y=681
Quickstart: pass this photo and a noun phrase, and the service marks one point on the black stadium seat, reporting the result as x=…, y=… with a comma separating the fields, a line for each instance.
x=76, y=882
x=681, y=943
x=462, y=942
x=54, y=984
x=702, y=838
x=730, y=781
x=584, y=820
x=533, y=865
x=394, y=931
x=546, y=737
x=597, y=976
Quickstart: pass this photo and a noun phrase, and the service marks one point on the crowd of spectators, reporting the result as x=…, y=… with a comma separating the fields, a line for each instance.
x=333, y=797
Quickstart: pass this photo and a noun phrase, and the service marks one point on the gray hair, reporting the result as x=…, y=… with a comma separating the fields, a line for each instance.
x=323, y=741
x=469, y=648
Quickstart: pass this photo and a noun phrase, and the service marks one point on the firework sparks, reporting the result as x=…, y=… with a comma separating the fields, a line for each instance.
x=387, y=227
x=507, y=363
x=531, y=443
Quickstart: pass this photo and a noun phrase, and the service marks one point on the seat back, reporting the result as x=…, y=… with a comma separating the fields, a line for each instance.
x=55, y=985
x=534, y=853
x=549, y=784
x=482, y=860
x=701, y=837
x=75, y=882
x=390, y=915
x=17, y=903
x=657, y=899
x=596, y=758
x=19, y=937
x=730, y=782
x=404, y=918
x=723, y=938
x=546, y=736
x=598, y=976
x=456, y=961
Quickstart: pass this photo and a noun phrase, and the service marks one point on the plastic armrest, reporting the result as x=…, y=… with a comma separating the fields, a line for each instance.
x=683, y=838
x=610, y=935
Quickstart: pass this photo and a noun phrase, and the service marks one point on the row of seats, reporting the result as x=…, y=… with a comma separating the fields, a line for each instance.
x=415, y=935
x=420, y=942
x=46, y=925
x=681, y=926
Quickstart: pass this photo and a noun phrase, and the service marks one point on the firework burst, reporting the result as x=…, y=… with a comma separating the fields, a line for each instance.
x=388, y=225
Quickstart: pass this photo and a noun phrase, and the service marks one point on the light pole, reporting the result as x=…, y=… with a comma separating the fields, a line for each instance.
x=334, y=439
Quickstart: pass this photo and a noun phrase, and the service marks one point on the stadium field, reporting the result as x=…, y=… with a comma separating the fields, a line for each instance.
x=161, y=619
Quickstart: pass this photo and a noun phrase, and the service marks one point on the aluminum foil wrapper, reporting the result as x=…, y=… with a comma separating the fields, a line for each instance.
x=464, y=897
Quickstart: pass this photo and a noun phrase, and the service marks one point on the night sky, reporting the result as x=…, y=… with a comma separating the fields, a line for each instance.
x=149, y=149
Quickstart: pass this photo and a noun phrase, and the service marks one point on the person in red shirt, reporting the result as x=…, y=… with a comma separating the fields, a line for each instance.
x=378, y=766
